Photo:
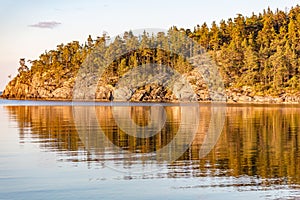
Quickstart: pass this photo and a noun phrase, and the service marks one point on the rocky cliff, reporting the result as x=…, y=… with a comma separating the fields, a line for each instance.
x=28, y=85
x=44, y=86
x=38, y=86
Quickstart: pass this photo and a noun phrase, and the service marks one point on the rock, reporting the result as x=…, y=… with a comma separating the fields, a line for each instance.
x=235, y=99
x=148, y=89
x=123, y=94
x=169, y=96
x=156, y=91
x=259, y=99
x=43, y=93
x=104, y=93
x=62, y=93
x=278, y=100
x=138, y=95
x=245, y=98
x=183, y=91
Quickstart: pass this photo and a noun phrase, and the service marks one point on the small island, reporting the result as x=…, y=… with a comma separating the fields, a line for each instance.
x=257, y=56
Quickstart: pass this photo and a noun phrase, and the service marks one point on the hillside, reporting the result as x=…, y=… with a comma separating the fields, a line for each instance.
x=258, y=57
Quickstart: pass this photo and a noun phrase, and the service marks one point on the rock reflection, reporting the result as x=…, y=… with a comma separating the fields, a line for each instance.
x=257, y=141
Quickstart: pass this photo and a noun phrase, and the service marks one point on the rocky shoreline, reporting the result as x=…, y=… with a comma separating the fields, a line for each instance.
x=244, y=96
x=231, y=98
x=261, y=100
x=36, y=88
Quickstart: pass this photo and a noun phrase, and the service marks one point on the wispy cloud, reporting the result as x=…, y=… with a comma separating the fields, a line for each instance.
x=50, y=24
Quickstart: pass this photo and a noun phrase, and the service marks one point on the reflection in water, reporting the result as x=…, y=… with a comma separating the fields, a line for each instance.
x=257, y=141
x=49, y=126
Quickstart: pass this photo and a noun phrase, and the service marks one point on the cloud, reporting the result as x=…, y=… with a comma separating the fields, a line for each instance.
x=50, y=25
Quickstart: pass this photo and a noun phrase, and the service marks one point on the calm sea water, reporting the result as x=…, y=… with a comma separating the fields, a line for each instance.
x=62, y=150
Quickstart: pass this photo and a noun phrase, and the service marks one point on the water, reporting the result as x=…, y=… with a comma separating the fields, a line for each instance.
x=65, y=150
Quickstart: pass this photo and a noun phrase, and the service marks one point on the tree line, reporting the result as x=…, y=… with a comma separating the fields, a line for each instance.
x=261, y=51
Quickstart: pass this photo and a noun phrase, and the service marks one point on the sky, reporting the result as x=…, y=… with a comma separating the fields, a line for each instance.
x=28, y=28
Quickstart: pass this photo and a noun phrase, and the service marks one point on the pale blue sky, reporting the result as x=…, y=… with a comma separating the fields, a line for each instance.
x=80, y=18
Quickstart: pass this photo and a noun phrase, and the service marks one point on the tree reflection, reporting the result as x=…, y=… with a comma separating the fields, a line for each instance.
x=261, y=141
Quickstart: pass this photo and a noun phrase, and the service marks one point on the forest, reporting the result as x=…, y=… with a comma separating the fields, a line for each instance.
x=260, y=52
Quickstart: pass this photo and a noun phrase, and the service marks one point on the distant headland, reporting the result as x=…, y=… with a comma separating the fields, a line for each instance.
x=257, y=56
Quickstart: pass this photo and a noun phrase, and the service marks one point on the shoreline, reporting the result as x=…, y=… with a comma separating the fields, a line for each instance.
x=149, y=102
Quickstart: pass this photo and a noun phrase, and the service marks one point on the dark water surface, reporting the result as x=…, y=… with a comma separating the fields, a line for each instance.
x=49, y=150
